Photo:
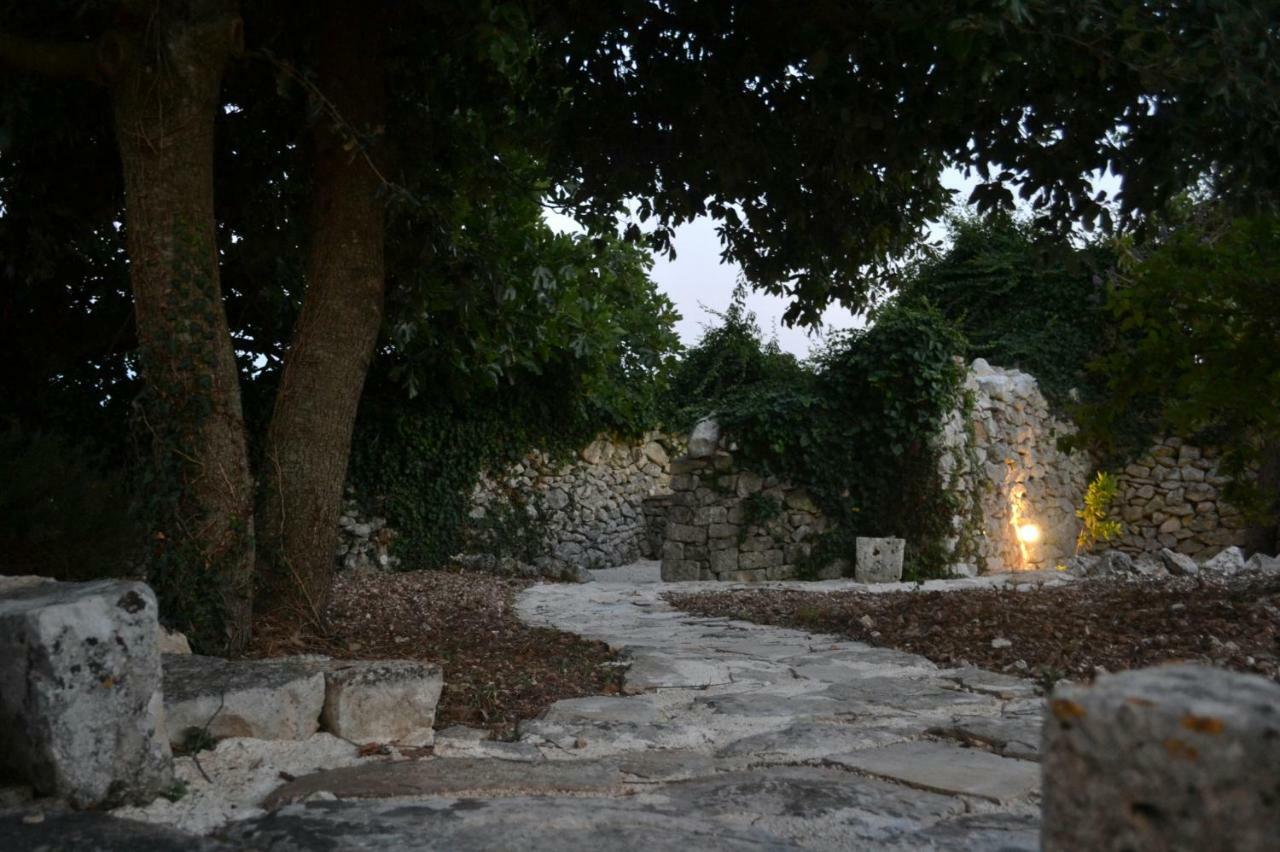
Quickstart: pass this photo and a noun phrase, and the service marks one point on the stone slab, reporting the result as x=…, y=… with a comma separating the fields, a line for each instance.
x=264, y=699
x=80, y=704
x=652, y=671
x=948, y=769
x=382, y=701
x=57, y=830
x=604, y=709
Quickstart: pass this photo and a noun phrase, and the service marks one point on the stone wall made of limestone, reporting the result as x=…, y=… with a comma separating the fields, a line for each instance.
x=1172, y=497
x=1005, y=456
x=708, y=533
x=593, y=506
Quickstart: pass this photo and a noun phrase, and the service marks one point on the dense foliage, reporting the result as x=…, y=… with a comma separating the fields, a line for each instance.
x=1201, y=344
x=858, y=430
x=575, y=340
x=1021, y=298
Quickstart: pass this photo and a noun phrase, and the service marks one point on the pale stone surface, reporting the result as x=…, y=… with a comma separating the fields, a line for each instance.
x=705, y=439
x=879, y=560
x=1229, y=561
x=1173, y=757
x=384, y=701
x=948, y=769
x=173, y=642
x=80, y=704
x=700, y=754
x=265, y=699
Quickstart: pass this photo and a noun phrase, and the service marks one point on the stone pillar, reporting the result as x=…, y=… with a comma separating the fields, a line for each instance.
x=1173, y=757
x=81, y=711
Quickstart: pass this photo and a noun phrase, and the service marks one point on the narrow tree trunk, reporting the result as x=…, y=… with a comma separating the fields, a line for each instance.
x=308, y=441
x=165, y=74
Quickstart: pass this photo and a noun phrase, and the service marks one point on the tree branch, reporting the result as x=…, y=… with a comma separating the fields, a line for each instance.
x=65, y=60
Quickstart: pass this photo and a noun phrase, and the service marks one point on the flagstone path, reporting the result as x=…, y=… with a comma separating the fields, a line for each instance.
x=728, y=736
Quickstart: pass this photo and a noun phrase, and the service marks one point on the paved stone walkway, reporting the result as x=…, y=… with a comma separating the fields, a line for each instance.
x=729, y=736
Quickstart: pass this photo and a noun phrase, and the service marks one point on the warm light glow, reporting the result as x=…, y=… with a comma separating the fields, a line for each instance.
x=1028, y=533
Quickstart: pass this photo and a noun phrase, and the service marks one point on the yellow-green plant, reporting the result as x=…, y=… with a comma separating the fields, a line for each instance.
x=1096, y=526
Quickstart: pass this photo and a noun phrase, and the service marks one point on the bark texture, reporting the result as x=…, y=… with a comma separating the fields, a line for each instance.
x=309, y=437
x=165, y=70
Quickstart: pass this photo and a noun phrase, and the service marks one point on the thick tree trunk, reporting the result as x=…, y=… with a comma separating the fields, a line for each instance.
x=308, y=441
x=165, y=78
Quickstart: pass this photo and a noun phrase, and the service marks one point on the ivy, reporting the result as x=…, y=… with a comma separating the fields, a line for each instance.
x=858, y=428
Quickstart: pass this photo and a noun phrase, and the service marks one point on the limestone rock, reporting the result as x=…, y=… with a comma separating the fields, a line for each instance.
x=705, y=439
x=80, y=704
x=382, y=701
x=1173, y=757
x=266, y=699
x=1262, y=562
x=173, y=642
x=1229, y=561
x=1179, y=564
x=879, y=560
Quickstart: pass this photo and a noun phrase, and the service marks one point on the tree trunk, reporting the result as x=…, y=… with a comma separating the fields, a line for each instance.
x=308, y=443
x=165, y=71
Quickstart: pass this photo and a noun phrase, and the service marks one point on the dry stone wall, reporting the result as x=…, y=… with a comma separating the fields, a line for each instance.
x=1001, y=460
x=1172, y=497
x=593, y=507
x=724, y=523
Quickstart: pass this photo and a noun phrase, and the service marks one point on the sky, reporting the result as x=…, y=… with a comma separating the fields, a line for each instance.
x=697, y=281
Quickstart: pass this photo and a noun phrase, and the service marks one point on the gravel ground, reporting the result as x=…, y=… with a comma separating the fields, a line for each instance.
x=1071, y=631
x=497, y=670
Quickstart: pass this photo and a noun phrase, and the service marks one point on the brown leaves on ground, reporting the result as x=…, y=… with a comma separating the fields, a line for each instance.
x=497, y=670
x=1051, y=633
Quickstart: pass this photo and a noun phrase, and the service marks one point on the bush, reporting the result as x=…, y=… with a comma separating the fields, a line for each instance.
x=858, y=429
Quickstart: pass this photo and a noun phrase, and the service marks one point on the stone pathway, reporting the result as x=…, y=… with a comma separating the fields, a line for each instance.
x=729, y=736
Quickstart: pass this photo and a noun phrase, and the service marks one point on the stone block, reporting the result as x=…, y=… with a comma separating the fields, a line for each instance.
x=760, y=559
x=879, y=560
x=264, y=699
x=1173, y=757
x=723, y=531
x=724, y=561
x=679, y=570
x=1229, y=561
x=1179, y=564
x=382, y=701
x=685, y=465
x=687, y=533
x=81, y=714
x=756, y=576
x=672, y=551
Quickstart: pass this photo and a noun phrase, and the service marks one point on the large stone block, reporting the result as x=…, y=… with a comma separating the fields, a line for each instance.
x=1174, y=757
x=264, y=699
x=879, y=560
x=382, y=701
x=705, y=439
x=80, y=703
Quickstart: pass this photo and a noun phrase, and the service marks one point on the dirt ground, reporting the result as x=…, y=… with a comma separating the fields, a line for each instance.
x=497, y=670
x=1073, y=631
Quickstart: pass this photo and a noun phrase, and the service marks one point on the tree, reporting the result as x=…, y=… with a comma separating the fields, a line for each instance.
x=817, y=140
x=1201, y=346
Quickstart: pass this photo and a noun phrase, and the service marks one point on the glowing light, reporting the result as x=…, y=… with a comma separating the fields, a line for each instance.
x=1028, y=533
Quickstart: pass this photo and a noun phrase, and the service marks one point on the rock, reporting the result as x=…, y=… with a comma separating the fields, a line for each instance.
x=80, y=702
x=173, y=642
x=265, y=699
x=879, y=560
x=1082, y=564
x=1262, y=562
x=655, y=453
x=1115, y=562
x=1000, y=643
x=1173, y=757
x=1229, y=561
x=1179, y=564
x=705, y=439
x=384, y=701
